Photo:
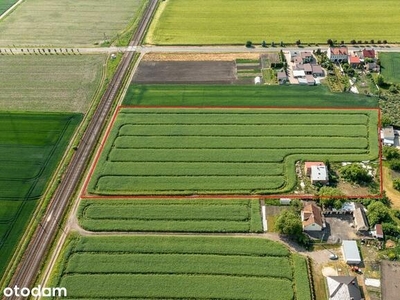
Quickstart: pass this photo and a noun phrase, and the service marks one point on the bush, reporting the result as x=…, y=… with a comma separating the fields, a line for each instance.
x=391, y=153
x=396, y=184
x=355, y=173
x=395, y=164
x=249, y=44
x=378, y=213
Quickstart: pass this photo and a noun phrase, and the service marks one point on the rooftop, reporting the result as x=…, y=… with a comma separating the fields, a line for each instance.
x=343, y=288
x=319, y=173
x=370, y=53
x=339, y=50
x=354, y=59
x=312, y=214
x=350, y=250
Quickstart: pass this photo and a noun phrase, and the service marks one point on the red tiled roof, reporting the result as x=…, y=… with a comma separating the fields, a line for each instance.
x=378, y=229
x=370, y=53
x=339, y=50
x=312, y=214
x=354, y=60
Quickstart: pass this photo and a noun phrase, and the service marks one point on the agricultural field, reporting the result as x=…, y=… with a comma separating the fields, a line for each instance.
x=185, y=267
x=180, y=22
x=31, y=146
x=54, y=83
x=189, y=151
x=390, y=66
x=197, y=215
x=239, y=95
x=69, y=23
x=5, y=5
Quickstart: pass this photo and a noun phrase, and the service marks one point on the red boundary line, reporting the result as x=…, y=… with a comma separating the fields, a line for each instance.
x=85, y=195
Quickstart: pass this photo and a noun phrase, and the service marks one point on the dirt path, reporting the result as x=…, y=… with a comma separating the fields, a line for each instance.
x=393, y=195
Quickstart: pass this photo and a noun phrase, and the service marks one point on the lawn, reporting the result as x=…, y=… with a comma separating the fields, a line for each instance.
x=235, y=22
x=68, y=22
x=5, y=5
x=216, y=95
x=176, y=267
x=390, y=66
x=51, y=83
x=171, y=215
x=225, y=151
x=31, y=146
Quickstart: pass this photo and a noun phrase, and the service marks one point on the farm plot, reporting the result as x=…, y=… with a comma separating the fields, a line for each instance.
x=235, y=22
x=56, y=83
x=68, y=22
x=390, y=66
x=185, y=72
x=239, y=95
x=30, y=147
x=5, y=5
x=171, y=215
x=185, y=151
x=185, y=267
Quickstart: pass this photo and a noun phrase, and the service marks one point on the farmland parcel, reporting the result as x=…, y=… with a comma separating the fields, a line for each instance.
x=173, y=215
x=178, y=268
x=5, y=5
x=68, y=22
x=49, y=82
x=225, y=151
x=235, y=22
x=30, y=147
x=390, y=66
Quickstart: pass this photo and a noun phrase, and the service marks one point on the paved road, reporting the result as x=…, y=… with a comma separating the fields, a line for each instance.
x=39, y=245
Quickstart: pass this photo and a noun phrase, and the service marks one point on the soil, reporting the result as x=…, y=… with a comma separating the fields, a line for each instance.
x=199, y=56
x=390, y=280
x=391, y=193
x=352, y=190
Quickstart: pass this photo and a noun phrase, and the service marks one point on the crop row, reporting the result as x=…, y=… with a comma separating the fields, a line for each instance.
x=170, y=215
x=238, y=130
x=302, y=285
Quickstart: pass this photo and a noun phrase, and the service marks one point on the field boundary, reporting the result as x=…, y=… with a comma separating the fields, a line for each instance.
x=86, y=195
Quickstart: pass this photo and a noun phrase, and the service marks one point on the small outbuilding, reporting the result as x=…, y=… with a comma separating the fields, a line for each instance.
x=378, y=231
x=257, y=80
x=387, y=136
x=360, y=218
x=351, y=255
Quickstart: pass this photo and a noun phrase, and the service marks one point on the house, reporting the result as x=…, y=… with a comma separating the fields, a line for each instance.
x=310, y=80
x=309, y=164
x=282, y=77
x=387, y=136
x=302, y=81
x=338, y=54
x=372, y=67
x=354, y=61
x=350, y=252
x=311, y=218
x=298, y=73
x=378, y=231
x=317, y=71
x=368, y=53
x=360, y=219
x=306, y=57
x=343, y=288
x=307, y=69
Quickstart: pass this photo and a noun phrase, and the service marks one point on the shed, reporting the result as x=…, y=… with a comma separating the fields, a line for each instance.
x=257, y=80
x=378, y=232
x=387, y=135
x=285, y=201
x=351, y=255
x=360, y=219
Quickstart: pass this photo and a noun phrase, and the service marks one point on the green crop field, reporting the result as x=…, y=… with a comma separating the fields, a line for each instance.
x=31, y=146
x=5, y=5
x=177, y=268
x=197, y=215
x=390, y=66
x=54, y=83
x=235, y=22
x=68, y=22
x=216, y=95
x=216, y=151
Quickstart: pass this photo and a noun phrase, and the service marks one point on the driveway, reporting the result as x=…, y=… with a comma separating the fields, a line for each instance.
x=338, y=228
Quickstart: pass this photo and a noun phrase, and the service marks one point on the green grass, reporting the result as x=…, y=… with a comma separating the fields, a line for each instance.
x=30, y=147
x=302, y=285
x=68, y=22
x=390, y=66
x=185, y=267
x=215, y=95
x=171, y=215
x=217, y=151
x=5, y=5
x=235, y=22
x=54, y=83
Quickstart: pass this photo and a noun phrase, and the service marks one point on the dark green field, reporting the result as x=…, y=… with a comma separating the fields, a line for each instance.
x=31, y=146
x=6, y=4
x=215, y=95
x=390, y=66
x=197, y=215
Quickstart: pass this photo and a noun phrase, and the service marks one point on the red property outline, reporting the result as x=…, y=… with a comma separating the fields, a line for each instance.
x=86, y=195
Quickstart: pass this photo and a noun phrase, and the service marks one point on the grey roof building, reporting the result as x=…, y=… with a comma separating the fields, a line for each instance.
x=343, y=288
x=350, y=252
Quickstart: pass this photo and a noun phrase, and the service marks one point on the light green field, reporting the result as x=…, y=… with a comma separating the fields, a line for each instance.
x=235, y=22
x=197, y=215
x=155, y=267
x=67, y=22
x=390, y=66
x=218, y=151
x=49, y=82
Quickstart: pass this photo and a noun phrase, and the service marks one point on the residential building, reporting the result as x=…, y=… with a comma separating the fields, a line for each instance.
x=306, y=57
x=354, y=61
x=282, y=77
x=360, y=219
x=299, y=73
x=351, y=255
x=368, y=53
x=307, y=69
x=338, y=54
x=317, y=71
x=372, y=67
x=319, y=174
x=310, y=80
x=387, y=136
x=309, y=164
x=311, y=218
x=343, y=288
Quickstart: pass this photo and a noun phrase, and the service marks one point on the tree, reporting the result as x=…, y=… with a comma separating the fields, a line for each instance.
x=390, y=153
x=272, y=44
x=396, y=184
x=249, y=44
x=355, y=173
x=289, y=223
x=353, y=42
x=264, y=44
x=328, y=195
x=330, y=42
x=394, y=164
x=378, y=213
x=380, y=81
x=282, y=44
x=298, y=42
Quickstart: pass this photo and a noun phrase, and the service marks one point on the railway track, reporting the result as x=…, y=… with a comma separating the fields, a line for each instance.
x=45, y=233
